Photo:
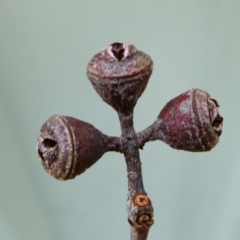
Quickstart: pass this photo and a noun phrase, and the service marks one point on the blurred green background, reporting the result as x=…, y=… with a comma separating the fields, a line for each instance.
x=44, y=50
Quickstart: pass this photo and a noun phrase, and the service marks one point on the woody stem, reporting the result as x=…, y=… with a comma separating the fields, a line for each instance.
x=140, y=211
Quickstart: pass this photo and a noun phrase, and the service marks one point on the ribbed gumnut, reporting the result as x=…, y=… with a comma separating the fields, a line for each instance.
x=119, y=74
x=190, y=122
x=67, y=146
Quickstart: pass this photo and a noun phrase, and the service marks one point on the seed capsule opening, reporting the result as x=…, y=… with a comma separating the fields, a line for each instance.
x=217, y=124
x=45, y=148
x=215, y=117
x=49, y=143
x=118, y=50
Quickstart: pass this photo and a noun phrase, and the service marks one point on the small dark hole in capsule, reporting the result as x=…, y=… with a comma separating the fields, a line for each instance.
x=49, y=143
x=118, y=50
x=45, y=145
x=218, y=121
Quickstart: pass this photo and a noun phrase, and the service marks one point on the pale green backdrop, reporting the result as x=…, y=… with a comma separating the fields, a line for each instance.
x=44, y=49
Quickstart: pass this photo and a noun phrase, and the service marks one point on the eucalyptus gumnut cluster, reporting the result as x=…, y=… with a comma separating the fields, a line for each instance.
x=119, y=74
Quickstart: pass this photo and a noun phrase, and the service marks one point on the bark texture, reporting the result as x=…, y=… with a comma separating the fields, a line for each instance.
x=139, y=207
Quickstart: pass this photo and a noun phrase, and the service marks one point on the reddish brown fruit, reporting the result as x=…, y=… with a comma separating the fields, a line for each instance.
x=67, y=146
x=119, y=74
x=190, y=122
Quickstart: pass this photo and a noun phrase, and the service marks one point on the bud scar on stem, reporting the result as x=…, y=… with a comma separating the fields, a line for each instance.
x=119, y=74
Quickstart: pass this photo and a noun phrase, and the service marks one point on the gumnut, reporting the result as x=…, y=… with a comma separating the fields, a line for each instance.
x=68, y=146
x=190, y=122
x=120, y=73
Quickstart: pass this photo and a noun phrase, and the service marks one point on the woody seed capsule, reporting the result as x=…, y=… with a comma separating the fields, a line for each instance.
x=67, y=146
x=119, y=74
x=189, y=122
